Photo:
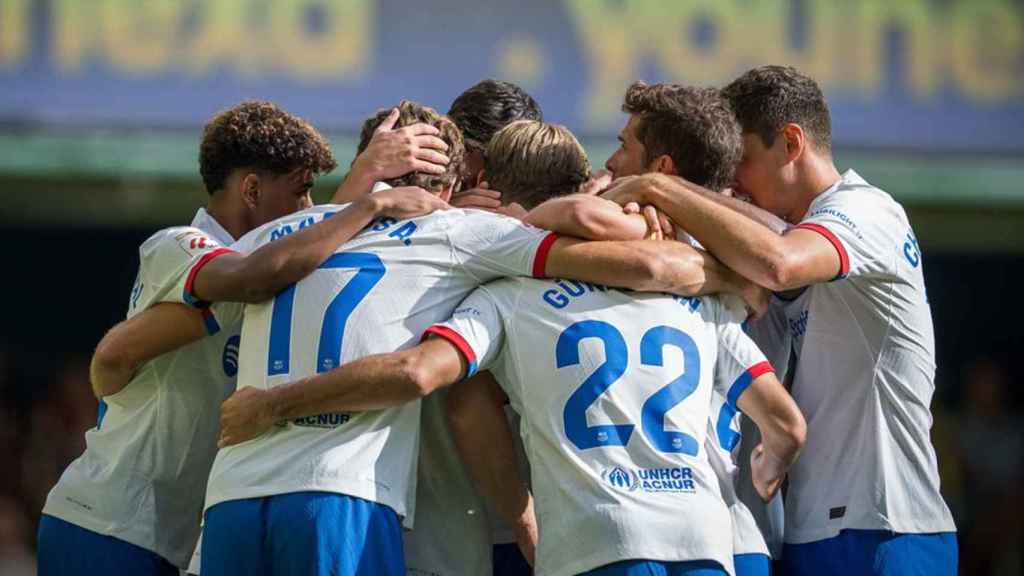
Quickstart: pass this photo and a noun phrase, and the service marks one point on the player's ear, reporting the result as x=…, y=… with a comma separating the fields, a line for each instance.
x=446, y=192
x=250, y=185
x=795, y=140
x=664, y=165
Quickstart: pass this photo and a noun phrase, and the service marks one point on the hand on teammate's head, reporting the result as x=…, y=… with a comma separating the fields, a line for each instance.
x=394, y=152
x=481, y=198
x=598, y=183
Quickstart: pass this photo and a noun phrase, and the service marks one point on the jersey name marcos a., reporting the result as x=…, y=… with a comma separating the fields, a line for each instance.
x=614, y=390
x=376, y=294
x=144, y=469
x=864, y=377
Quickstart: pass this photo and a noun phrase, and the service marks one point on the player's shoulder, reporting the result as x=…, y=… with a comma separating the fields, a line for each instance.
x=185, y=238
x=721, y=309
x=854, y=194
x=471, y=217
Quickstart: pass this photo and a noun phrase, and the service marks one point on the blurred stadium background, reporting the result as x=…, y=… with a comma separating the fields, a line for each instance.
x=102, y=102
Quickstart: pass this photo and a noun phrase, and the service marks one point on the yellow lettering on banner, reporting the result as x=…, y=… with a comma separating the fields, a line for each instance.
x=611, y=32
x=225, y=38
x=141, y=36
x=670, y=32
x=917, y=21
x=987, y=49
x=339, y=49
x=74, y=32
x=13, y=31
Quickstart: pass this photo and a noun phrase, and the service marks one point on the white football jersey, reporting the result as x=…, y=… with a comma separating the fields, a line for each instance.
x=723, y=446
x=376, y=294
x=144, y=469
x=614, y=390
x=865, y=377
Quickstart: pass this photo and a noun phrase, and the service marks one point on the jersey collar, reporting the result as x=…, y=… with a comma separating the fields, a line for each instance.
x=848, y=178
x=209, y=224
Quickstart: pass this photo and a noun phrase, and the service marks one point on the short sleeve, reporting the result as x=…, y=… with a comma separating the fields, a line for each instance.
x=860, y=225
x=476, y=329
x=492, y=246
x=168, y=264
x=739, y=360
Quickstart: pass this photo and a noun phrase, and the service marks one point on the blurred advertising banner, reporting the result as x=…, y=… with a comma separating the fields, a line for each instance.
x=928, y=75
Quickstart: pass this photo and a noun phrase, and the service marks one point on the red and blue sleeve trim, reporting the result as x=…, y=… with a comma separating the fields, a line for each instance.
x=844, y=258
x=540, y=261
x=188, y=296
x=210, y=321
x=458, y=341
x=744, y=381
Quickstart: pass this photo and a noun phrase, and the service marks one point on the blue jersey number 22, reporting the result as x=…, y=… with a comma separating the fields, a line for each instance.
x=652, y=417
x=371, y=270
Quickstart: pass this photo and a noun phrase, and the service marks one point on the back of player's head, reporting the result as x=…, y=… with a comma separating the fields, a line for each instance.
x=410, y=113
x=693, y=126
x=765, y=99
x=489, y=106
x=258, y=135
x=530, y=162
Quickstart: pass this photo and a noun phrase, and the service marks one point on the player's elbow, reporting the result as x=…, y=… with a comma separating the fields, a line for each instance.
x=792, y=433
x=780, y=271
x=112, y=356
x=419, y=378
x=587, y=222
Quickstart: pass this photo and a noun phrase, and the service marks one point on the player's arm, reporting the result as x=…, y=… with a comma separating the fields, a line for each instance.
x=797, y=258
x=160, y=329
x=370, y=383
x=650, y=266
x=256, y=277
x=783, y=432
x=589, y=217
x=392, y=153
x=476, y=417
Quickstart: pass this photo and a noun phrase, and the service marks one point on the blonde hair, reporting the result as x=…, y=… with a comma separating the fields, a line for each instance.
x=531, y=161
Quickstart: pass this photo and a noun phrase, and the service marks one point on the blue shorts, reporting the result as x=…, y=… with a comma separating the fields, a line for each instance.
x=307, y=533
x=655, y=568
x=69, y=550
x=508, y=560
x=752, y=564
x=873, y=552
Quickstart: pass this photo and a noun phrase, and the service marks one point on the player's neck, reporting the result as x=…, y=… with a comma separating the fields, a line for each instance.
x=231, y=218
x=817, y=174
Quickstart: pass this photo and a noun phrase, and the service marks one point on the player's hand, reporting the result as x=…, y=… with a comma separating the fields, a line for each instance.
x=405, y=202
x=598, y=182
x=767, y=472
x=631, y=189
x=392, y=153
x=757, y=298
x=245, y=415
x=481, y=198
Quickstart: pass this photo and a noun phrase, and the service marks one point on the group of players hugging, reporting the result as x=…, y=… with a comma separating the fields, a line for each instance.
x=714, y=356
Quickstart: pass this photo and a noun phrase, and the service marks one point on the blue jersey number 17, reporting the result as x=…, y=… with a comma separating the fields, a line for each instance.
x=332, y=331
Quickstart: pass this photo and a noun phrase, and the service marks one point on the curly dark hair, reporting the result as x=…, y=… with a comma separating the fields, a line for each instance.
x=531, y=162
x=260, y=136
x=693, y=126
x=767, y=98
x=409, y=113
x=489, y=106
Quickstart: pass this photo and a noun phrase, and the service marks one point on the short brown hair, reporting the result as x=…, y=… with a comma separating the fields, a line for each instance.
x=261, y=136
x=765, y=99
x=693, y=126
x=530, y=162
x=409, y=113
